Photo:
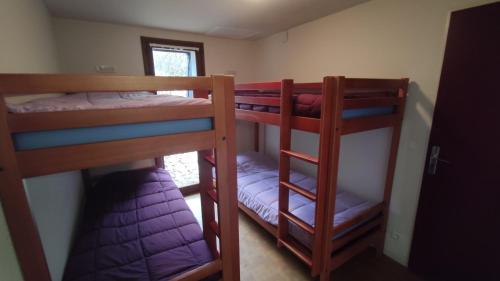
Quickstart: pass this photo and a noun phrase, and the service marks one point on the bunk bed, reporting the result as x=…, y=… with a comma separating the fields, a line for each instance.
x=318, y=222
x=46, y=137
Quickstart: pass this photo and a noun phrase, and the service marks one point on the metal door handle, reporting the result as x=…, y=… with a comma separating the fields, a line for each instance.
x=434, y=160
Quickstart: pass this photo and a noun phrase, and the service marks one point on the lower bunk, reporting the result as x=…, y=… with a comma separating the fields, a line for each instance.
x=137, y=226
x=357, y=222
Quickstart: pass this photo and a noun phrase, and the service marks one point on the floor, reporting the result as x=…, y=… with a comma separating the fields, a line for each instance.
x=261, y=260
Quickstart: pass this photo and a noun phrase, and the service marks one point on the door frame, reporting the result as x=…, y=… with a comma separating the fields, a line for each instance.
x=414, y=260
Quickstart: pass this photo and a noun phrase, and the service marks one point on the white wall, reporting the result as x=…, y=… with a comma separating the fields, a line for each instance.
x=379, y=39
x=83, y=44
x=28, y=47
x=56, y=202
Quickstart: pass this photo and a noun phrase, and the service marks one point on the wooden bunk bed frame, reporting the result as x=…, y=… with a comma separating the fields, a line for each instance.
x=327, y=254
x=16, y=165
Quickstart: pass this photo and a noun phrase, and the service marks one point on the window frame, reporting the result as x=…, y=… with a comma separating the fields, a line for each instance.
x=147, y=53
x=149, y=70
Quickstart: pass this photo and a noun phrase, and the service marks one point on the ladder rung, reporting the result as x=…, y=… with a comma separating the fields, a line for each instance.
x=307, y=194
x=210, y=159
x=215, y=228
x=298, y=222
x=301, y=156
x=213, y=194
x=295, y=249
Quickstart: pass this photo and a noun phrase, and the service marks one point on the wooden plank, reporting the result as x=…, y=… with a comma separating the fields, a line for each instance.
x=213, y=195
x=214, y=227
x=200, y=272
x=269, y=101
x=76, y=157
x=297, y=249
x=309, y=195
x=207, y=205
x=21, y=84
x=391, y=165
x=371, y=102
x=225, y=157
x=301, y=156
x=210, y=158
x=328, y=109
x=190, y=189
x=296, y=220
x=361, y=124
x=41, y=121
x=337, y=88
x=370, y=83
x=284, y=160
x=259, y=117
x=307, y=124
x=359, y=218
x=259, y=86
x=297, y=122
x=309, y=87
x=22, y=229
x=356, y=233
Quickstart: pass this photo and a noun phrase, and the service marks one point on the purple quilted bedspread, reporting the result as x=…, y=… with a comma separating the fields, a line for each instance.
x=136, y=226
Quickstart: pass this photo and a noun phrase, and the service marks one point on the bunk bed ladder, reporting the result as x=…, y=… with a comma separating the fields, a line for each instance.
x=285, y=216
x=329, y=108
x=208, y=196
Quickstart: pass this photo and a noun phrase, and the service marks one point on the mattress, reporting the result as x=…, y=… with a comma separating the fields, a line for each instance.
x=102, y=100
x=258, y=190
x=136, y=226
x=309, y=105
x=87, y=101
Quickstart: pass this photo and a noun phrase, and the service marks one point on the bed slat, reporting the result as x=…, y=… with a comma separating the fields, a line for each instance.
x=363, y=216
x=355, y=125
x=201, y=272
x=20, y=84
x=75, y=157
x=40, y=121
x=356, y=233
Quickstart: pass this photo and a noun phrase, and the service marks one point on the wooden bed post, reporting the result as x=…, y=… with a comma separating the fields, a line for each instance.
x=391, y=165
x=207, y=203
x=335, y=87
x=284, y=162
x=22, y=228
x=225, y=157
x=327, y=123
x=205, y=185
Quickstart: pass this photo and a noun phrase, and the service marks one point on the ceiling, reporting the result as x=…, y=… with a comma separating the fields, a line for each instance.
x=238, y=19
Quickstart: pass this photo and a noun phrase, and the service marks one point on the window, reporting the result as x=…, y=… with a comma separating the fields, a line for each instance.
x=165, y=57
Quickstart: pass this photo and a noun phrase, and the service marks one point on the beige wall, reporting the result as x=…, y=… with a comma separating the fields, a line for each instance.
x=381, y=38
x=27, y=39
x=82, y=45
x=28, y=47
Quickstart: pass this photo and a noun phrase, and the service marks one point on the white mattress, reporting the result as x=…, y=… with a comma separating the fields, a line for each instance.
x=258, y=190
x=109, y=100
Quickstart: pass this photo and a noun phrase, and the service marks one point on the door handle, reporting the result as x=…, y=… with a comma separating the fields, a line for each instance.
x=434, y=160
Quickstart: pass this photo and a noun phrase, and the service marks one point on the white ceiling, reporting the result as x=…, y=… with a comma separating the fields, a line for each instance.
x=240, y=19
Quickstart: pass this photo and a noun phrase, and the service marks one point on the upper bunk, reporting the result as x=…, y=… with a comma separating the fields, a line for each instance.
x=43, y=137
x=122, y=123
x=367, y=103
